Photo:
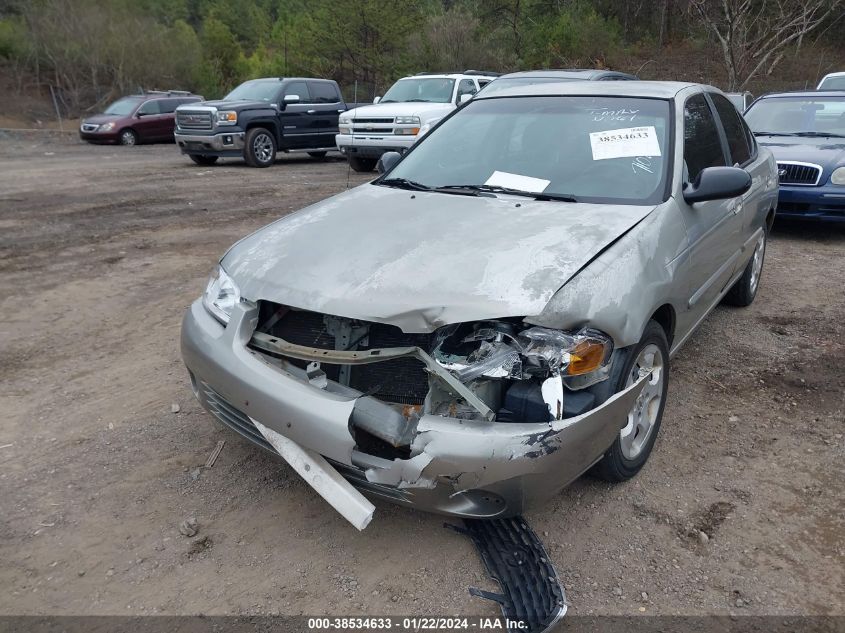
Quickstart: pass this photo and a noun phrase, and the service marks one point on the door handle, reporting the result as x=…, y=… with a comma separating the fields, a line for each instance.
x=310, y=111
x=341, y=110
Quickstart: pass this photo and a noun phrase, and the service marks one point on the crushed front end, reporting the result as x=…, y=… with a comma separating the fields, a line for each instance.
x=475, y=420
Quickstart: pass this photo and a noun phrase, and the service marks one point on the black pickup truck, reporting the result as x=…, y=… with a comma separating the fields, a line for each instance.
x=261, y=117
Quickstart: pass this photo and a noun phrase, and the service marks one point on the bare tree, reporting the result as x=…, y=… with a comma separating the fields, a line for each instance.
x=754, y=35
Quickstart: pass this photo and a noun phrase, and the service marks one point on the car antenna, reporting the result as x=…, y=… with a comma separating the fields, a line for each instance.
x=352, y=130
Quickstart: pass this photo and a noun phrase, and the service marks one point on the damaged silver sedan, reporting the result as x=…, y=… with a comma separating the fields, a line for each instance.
x=495, y=314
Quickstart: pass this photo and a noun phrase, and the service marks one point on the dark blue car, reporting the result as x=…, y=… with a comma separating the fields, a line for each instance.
x=806, y=133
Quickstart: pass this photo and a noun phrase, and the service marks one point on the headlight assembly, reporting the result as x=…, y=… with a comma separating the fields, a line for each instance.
x=838, y=176
x=227, y=117
x=221, y=295
x=106, y=127
x=501, y=350
x=412, y=123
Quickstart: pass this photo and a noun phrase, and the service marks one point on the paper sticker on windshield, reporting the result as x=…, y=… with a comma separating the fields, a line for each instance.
x=515, y=181
x=629, y=141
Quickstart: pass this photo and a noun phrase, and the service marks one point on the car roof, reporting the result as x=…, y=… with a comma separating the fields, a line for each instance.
x=836, y=74
x=567, y=73
x=809, y=94
x=653, y=89
x=448, y=76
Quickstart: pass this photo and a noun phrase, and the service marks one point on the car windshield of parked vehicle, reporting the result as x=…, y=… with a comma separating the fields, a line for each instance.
x=837, y=82
x=430, y=89
x=582, y=148
x=123, y=107
x=797, y=116
x=254, y=91
x=504, y=83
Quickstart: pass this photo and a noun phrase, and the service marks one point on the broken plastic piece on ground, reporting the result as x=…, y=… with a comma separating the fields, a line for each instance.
x=322, y=476
x=515, y=557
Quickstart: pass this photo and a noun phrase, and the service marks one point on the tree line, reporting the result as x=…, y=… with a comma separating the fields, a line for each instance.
x=90, y=51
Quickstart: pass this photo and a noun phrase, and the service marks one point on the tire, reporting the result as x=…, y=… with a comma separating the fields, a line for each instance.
x=632, y=447
x=128, y=137
x=260, y=147
x=317, y=155
x=742, y=293
x=203, y=159
x=362, y=164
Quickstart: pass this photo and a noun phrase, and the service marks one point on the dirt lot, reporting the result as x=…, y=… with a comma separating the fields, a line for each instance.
x=101, y=251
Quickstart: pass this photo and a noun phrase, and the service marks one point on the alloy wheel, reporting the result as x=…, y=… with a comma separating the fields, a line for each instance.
x=643, y=416
x=262, y=146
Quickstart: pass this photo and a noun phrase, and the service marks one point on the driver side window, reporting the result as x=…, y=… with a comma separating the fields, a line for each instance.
x=150, y=107
x=300, y=89
x=466, y=87
x=702, y=144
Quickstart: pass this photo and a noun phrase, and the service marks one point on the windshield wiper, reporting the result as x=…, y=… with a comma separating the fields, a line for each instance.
x=820, y=134
x=537, y=195
x=404, y=183
x=773, y=133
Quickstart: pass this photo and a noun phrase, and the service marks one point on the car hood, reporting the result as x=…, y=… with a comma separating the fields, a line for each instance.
x=237, y=106
x=99, y=119
x=412, y=108
x=421, y=260
x=827, y=152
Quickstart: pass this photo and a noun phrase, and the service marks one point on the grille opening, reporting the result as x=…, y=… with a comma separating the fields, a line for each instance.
x=399, y=381
x=377, y=447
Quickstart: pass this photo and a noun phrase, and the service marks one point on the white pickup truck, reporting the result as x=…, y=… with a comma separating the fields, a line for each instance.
x=394, y=122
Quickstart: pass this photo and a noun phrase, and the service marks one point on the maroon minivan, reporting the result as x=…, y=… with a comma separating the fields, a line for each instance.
x=136, y=118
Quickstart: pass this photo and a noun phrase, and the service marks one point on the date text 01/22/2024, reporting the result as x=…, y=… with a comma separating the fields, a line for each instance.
x=416, y=624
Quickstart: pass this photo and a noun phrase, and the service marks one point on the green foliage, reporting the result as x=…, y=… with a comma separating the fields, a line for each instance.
x=13, y=41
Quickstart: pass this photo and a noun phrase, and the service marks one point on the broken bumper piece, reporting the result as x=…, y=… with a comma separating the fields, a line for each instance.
x=468, y=468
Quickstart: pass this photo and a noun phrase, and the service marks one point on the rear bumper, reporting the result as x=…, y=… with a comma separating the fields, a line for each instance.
x=457, y=467
x=230, y=143
x=817, y=203
x=372, y=146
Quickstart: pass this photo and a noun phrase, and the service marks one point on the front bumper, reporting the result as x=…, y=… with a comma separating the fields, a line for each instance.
x=457, y=467
x=367, y=146
x=818, y=203
x=94, y=136
x=229, y=143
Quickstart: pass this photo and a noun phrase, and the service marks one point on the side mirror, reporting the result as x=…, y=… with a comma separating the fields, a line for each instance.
x=464, y=98
x=717, y=183
x=387, y=161
x=377, y=99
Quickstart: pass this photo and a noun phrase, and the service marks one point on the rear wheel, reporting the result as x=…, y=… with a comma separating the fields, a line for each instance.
x=128, y=137
x=745, y=289
x=632, y=447
x=202, y=159
x=260, y=149
x=317, y=155
x=362, y=164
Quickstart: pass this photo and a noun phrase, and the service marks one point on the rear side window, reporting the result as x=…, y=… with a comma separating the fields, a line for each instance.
x=150, y=107
x=702, y=145
x=298, y=88
x=466, y=87
x=734, y=129
x=323, y=92
x=168, y=106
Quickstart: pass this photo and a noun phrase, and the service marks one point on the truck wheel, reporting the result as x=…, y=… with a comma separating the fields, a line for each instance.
x=128, y=137
x=317, y=155
x=745, y=289
x=362, y=164
x=630, y=451
x=202, y=159
x=260, y=149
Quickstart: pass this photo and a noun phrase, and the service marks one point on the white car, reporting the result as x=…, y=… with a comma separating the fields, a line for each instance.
x=407, y=111
x=832, y=81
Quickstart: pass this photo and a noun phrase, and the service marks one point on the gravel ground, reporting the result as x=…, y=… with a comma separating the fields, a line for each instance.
x=739, y=511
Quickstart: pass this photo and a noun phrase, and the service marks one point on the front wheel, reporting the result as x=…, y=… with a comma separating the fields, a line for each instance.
x=362, y=164
x=260, y=149
x=632, y=447
x=128, y=137
x=745, y=289
x=202, y=159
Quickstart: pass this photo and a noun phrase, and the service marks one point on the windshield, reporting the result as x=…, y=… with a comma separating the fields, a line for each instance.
x=431, y=89
x=789, y=116
x=833, y=83
x=497, y=85
x=123, y=107
x=254, y=91
x=594, y=149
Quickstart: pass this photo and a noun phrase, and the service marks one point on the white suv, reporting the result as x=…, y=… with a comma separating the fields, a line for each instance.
x=409, y=109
